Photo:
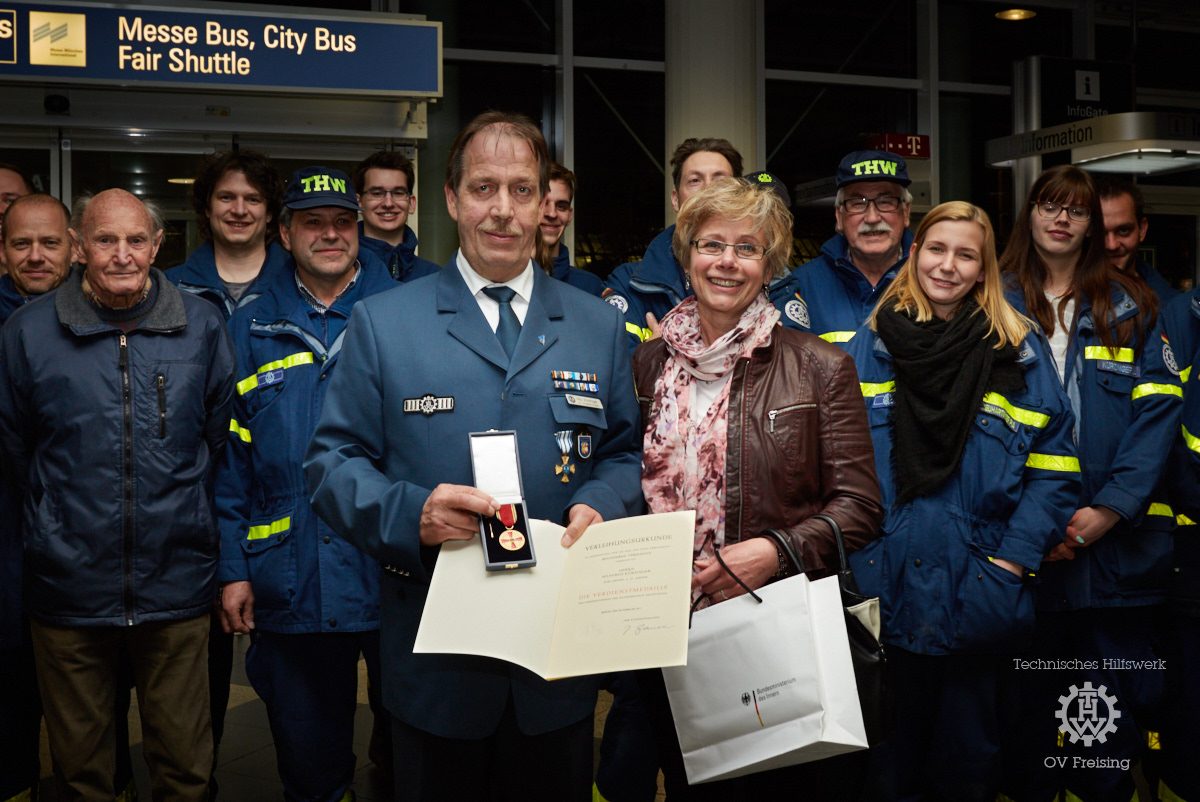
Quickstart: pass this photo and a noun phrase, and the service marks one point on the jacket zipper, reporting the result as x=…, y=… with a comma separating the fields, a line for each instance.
x=161, y=380
x=127, y=478
x=774, y=413
x=741, y=441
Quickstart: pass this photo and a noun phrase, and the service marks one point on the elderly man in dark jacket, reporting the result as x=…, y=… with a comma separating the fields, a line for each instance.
x=114, y=398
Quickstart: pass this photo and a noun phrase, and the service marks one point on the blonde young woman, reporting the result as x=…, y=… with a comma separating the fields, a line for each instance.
x=757, y=428
x=972, y=437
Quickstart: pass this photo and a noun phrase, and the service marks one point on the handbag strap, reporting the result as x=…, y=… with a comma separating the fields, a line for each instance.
x=843, y=564
x=845, y=575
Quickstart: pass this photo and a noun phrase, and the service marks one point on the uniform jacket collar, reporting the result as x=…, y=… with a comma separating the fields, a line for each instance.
x=470, y=328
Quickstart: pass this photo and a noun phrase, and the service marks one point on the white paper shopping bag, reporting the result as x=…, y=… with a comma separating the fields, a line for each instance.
x=766, y=685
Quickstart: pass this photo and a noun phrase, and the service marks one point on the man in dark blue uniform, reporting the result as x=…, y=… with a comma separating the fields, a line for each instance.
x=558, y=209
x=311, y=599
x=1125, y=227
x=483, y=344
x=832, y=295
x=384, y=183
x=236, y=199
x=37, y=250
x=645, y=291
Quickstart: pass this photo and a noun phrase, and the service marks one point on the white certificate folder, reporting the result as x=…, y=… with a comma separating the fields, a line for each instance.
x=616, y=600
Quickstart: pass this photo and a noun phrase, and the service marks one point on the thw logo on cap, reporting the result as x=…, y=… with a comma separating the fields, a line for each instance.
x=874, y=167
x=322, y=183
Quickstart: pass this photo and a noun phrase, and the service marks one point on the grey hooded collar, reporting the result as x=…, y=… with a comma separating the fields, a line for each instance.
x=80, y=316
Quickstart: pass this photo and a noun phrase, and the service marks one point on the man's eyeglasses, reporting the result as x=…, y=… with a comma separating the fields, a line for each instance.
x=400, y=194
x=883, y=203
x=1051, y=210
x=742, y=250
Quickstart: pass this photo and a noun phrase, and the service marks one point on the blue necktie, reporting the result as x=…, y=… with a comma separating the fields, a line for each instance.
x=510, y=328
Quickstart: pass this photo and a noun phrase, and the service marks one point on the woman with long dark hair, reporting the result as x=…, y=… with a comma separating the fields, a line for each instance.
x=1100, y=585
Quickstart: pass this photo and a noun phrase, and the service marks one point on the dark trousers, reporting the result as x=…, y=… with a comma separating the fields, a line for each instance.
x=309, y=683
x=507, y=766
x=1181, y=720
x=835, y=779
x=20, y=722
x=79, y=672
x=628, y=770
x=1098, y=771
x=945, y=742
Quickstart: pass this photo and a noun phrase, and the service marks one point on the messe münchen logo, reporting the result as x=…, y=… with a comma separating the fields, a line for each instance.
x=1088, y=714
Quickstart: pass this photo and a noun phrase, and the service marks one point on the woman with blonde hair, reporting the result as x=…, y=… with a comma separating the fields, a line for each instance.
x=756, y=427
x=972, y=437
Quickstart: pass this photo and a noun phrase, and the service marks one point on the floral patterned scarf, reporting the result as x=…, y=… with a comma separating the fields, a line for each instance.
x=683, y=462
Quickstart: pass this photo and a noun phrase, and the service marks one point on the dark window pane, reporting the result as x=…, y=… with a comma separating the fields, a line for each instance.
x=863, y=38
x=619, y=201
x=514, y=25
x=620, y=29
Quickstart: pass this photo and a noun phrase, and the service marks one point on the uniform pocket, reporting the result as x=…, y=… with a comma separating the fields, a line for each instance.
x=994, y=608
x=271, y=559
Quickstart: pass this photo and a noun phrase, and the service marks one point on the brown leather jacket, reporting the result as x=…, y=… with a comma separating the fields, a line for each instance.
x=799, y=444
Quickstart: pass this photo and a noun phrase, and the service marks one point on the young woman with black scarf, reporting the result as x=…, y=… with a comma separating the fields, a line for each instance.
x=972, y=436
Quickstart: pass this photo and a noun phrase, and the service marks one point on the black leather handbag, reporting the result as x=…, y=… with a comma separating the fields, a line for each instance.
x=866, y=651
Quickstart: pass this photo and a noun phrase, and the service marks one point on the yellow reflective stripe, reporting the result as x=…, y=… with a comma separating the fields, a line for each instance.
x=1165, y=794
x=250, y=382
x=1183, y=520
x=266, y=530
x=1158, y=508
x=1184, y=374
x=1052, y=462
x=1019, y=414
x=637, y=331
x=1191, y=440
x=24, y=796
x=242, y=432
x=1111, y=354
x=1154, y=388
x=837, y=336
x=872, y=389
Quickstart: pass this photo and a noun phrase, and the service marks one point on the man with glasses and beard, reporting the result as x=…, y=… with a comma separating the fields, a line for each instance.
x=832, y=295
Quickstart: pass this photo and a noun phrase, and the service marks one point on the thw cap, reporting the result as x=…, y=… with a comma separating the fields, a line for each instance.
x=310, y=187
x=872, y=165
x=764, y=180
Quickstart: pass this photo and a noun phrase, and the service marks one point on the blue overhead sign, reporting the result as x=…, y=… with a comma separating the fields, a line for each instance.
x=221, y=49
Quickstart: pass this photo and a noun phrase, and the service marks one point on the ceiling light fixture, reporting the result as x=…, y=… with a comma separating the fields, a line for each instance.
x=186, y=181
x=1015, y=14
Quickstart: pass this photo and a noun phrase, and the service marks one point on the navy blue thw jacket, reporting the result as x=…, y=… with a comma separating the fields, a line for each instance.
x=305, y=578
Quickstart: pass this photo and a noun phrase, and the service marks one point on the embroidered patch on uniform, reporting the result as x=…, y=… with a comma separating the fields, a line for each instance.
x=883, y=400
x=797, y=311
x=1169, y=358
x=619, y=302
x=1123, y=368
x=583, y=446
x=1001, y=413
x=270, y=377
x=429, y=404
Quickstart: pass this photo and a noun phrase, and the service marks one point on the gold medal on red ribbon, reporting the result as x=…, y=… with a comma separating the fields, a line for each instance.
x=509, y=539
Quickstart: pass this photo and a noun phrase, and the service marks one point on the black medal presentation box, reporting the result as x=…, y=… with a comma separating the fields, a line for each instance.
x=497, y=470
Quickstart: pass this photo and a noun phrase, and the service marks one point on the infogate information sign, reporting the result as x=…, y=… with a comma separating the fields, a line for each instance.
x=251, y=50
